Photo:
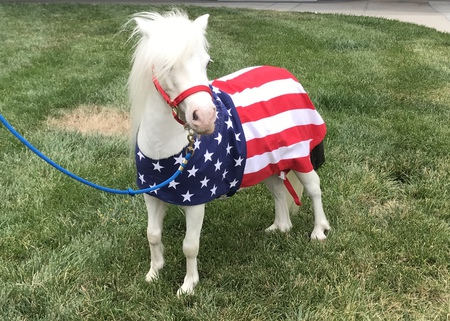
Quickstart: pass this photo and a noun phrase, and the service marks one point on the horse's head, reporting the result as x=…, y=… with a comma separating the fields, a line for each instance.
x=177, y=59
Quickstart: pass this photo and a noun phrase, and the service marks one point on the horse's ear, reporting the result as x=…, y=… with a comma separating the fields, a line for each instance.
x=202, y=21
x=142, y=26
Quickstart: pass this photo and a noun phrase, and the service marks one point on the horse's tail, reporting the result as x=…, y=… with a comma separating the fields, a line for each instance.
x=317, y=156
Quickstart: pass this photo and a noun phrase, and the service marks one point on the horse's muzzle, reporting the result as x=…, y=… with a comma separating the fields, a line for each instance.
x=202, y=120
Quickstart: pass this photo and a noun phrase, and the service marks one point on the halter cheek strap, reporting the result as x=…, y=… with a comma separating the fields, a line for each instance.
x=174, y=103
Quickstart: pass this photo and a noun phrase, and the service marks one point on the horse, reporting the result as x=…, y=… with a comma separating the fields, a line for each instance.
x=170, y=60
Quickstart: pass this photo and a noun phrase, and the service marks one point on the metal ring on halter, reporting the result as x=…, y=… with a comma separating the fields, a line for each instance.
x=190, y=137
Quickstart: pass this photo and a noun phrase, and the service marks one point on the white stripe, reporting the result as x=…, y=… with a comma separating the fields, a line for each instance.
x=258, y=162
x=267, y=92
x=280, y=122
x=237, y=73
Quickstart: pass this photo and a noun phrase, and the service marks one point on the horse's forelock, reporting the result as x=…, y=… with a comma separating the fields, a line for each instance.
x=168, y=39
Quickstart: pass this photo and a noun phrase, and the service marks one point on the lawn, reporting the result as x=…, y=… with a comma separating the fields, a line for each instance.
x=68, y=252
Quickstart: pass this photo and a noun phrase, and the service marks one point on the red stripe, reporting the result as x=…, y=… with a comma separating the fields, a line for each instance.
x=265, y=109
x=299, y=164
x=287, y=137
x=252, y=79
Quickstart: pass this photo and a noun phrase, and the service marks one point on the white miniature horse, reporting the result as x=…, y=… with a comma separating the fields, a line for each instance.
x=170, y=60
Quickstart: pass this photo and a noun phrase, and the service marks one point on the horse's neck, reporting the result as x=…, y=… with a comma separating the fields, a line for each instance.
x=160, y=136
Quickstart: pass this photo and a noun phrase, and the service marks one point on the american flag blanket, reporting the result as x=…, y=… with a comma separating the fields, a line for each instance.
x=266, y=124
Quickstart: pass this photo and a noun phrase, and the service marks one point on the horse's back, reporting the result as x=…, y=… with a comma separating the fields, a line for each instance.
x=280, y=123
x=251, y=77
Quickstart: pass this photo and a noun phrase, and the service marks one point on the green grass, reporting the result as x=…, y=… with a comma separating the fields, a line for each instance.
x=71, y=253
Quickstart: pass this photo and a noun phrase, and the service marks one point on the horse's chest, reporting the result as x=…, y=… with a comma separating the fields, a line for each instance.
x=215, y=169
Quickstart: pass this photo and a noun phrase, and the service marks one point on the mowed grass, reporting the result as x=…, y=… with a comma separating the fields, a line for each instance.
x=68, y=252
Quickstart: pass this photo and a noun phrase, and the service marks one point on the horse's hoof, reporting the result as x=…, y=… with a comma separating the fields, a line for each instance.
x=275, y=227
x=318, y=237
x=271, y=228
x=318, y=234
x=181, y=292
x=188, y=286
x=189, y=290
x=151, y=276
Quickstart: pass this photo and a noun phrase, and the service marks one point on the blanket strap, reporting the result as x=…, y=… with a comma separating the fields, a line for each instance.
x=290, y=188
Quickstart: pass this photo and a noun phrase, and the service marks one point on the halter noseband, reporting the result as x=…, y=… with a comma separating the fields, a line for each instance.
x=174, y=103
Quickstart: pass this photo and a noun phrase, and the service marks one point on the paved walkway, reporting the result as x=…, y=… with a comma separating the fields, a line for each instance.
x=434, y=14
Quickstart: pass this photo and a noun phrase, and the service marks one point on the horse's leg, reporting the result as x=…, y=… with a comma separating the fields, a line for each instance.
x=156, y=211
x=311, y=182
x=282, y=219
x=191, y=243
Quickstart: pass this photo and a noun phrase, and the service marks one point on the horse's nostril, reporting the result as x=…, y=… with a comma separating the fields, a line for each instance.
x=194, y=116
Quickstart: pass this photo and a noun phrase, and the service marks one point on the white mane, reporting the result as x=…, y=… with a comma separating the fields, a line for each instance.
x=165, y=40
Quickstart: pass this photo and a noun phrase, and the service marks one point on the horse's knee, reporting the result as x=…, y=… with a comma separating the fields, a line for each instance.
x=154, y=236
x=190, y=248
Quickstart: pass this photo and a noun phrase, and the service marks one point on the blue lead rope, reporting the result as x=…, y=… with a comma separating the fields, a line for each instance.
x=129, y=191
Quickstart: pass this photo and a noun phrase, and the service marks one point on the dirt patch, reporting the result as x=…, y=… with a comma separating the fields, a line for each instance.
x=93, y=120
x=440, y=95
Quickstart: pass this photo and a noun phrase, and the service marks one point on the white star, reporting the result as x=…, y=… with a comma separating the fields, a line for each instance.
x=197, y=144
x=173, y=184
x=229, y=148
x=208, y=156
x=155, y=191
x=178, y=159
x=157, y=167
x=237, y=137
x=217, y=165
x=218, y=138
x=238, y=161
x=187, y=196
x=225, y=172
x=229, y=123
x=213, y=190
x=204, y=182
x=141, y=156
x=216, y=90
x=192, y=171
x=141, y=177
x=234, y=183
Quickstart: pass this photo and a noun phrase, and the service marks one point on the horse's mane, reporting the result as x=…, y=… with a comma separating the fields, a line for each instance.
x=164, y=41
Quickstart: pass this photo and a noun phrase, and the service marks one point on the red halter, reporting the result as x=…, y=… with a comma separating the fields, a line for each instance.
x=174, y=103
